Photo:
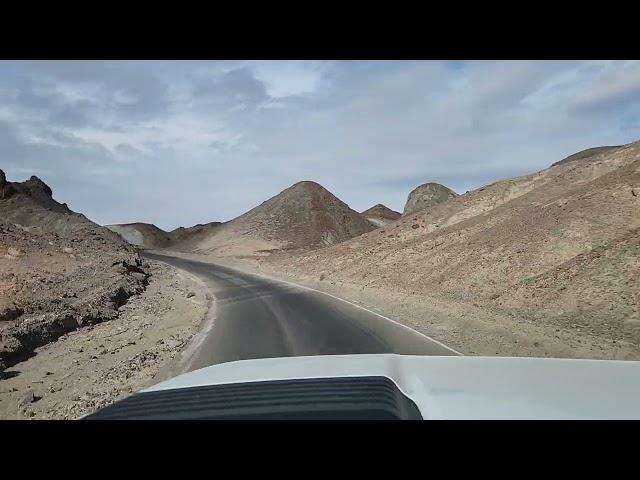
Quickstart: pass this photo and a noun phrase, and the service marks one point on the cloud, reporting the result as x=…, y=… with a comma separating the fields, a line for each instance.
x=179, y=143
x=232, y=89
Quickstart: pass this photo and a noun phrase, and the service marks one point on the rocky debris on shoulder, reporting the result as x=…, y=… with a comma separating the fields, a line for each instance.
x=28, y=398
x=10, y=312
x=110, y=387
x=427, y=195
x=14, y=252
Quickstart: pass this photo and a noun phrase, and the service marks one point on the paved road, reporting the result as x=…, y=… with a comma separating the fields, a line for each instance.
x=258, y=318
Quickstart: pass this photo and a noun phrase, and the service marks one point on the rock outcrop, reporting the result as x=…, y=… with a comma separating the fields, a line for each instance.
x=58, y=270
x=427, y=195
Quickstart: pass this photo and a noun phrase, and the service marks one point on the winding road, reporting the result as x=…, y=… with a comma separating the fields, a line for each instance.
x=258, y=317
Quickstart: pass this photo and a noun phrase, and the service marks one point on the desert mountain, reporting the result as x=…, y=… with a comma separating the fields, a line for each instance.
x=58, y=270
x=144, y=235
x=556, y=251
x=380, y=215
x=305, y=215
x=147, y=235
x=427, y=195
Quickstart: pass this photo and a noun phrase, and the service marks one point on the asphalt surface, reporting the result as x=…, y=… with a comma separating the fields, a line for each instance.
x=257, y=317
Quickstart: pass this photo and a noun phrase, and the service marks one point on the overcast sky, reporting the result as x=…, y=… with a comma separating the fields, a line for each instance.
x=178, y=143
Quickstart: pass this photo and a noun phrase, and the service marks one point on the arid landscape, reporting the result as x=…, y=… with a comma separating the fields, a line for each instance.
x=547, y=265
x=541, y=265
x=319, y=239
x=83, y=319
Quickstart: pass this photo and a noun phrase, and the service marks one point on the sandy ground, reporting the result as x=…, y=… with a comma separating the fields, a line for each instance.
x=96, y=365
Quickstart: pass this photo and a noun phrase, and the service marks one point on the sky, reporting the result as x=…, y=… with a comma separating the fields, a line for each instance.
x=177, y=143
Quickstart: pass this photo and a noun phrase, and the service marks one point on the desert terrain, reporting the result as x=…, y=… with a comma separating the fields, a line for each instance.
x=75, y=302
x=540, y=265
x=543, y=265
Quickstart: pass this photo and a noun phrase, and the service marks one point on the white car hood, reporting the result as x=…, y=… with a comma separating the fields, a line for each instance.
x=461, y=387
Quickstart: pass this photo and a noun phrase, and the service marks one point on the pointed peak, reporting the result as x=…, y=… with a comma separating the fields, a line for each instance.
x=380, y=209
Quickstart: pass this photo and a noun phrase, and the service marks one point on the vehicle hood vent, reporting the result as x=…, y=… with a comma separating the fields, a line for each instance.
x=344, y=398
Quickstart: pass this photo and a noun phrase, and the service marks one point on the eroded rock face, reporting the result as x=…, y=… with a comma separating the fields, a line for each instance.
x=33, y=188
x=3, y=184
x=37, y=187
x=427, y=195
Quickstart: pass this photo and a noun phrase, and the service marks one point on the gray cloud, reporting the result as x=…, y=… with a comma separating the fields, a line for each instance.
x=235, y=87
x=179, y=143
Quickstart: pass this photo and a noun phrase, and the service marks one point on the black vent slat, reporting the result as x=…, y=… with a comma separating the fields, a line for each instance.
x=281, y=399
x=145, y=410
x=301, y=384
x=213, y=396
x=325, y=398
x=178, y=393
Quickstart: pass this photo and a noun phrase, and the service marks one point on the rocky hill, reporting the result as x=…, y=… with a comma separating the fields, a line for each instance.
x=304, y=216
x=427, y=195
x=379, y=215
x=554, y=252
x=58, y=270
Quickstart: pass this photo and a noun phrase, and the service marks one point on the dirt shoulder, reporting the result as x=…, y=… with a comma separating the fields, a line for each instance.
x=96, y=365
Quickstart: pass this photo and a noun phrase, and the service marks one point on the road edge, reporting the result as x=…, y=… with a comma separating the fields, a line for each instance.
x=182, y=362
x=244, y=270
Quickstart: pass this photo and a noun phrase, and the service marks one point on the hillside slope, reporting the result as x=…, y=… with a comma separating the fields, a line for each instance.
x=188, y=237
x=58, y=270
x=586, y=154
x=553, y=248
